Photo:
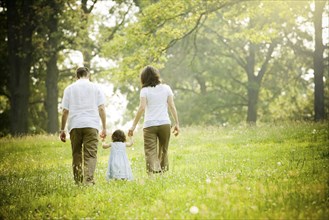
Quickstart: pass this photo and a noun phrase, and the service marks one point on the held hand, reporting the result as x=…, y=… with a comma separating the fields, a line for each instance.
x=131, y=132
x=104, y=145
x=103, y=134
x=62, y=136
x=176, y=130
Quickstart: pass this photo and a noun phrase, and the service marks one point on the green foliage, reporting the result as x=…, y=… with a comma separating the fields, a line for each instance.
x=268, y=171
x=146, y=41
x=212, y=64
x=203, y=51
x=202, y=86
x=197, y=45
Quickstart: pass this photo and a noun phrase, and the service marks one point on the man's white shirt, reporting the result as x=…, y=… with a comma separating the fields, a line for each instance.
x=82, y=99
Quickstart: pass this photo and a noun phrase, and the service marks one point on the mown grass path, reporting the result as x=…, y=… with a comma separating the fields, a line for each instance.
x=263, y=172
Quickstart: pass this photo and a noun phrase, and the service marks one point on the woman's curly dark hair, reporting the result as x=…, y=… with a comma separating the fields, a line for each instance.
x=150, y=76
x=118, y=136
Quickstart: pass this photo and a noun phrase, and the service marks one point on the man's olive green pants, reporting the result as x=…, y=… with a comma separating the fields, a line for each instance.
x=84, y=142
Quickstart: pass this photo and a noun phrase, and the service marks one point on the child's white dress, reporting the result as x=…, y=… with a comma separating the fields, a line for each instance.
x=118, y=166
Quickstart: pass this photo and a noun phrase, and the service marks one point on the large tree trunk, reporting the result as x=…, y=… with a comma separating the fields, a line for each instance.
x=253, y=86
x=20, y=52
x=52, y=94
x=319, y=112
x=253, y=94
x=88, y=44
x=254, y=81
x=52, y=70
x=87, y=56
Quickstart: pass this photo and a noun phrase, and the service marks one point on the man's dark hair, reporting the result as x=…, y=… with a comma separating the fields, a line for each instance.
x=82, y=72
x=150, y=76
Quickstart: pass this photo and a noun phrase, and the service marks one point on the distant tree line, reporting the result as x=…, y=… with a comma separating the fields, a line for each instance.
x=228, y=61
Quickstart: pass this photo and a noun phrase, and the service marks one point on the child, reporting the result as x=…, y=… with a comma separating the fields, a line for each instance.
x=119, y=167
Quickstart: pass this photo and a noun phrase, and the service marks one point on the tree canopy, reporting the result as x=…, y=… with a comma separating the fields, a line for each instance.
x=227, y=60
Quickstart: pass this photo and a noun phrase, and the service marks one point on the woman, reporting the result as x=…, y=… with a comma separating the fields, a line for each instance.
x=155, y=98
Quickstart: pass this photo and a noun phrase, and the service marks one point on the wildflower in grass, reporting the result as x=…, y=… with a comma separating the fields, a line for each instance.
x=208, y=180
x=194, y=210
x=279, y=163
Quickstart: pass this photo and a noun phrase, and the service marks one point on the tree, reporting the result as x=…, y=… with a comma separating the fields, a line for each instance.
x=53, y=46
x=182, y=20
x=306, y=40
x=233, y=65
x=19, y=34
x=148, y=40
x=4, y=76
x=203, y=82
x=86, y=45
x=251, y=34
x=252, y=50
x=55, y=37
x=318, y=62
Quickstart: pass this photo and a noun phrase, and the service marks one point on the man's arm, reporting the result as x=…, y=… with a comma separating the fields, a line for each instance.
x=62, y=134
x=102, y=115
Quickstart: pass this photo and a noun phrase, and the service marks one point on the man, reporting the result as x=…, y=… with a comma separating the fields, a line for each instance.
x=83, y=105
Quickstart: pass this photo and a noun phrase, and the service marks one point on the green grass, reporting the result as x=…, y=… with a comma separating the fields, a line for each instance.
x=263, y=172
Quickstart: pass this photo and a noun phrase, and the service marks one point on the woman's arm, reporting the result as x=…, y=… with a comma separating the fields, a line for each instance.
x=140, y=111
x=173, y=111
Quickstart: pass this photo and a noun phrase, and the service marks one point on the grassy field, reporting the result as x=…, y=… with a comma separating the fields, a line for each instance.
x=263, y=172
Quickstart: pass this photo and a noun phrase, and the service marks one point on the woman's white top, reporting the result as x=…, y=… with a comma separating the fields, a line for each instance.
x=156, y=111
